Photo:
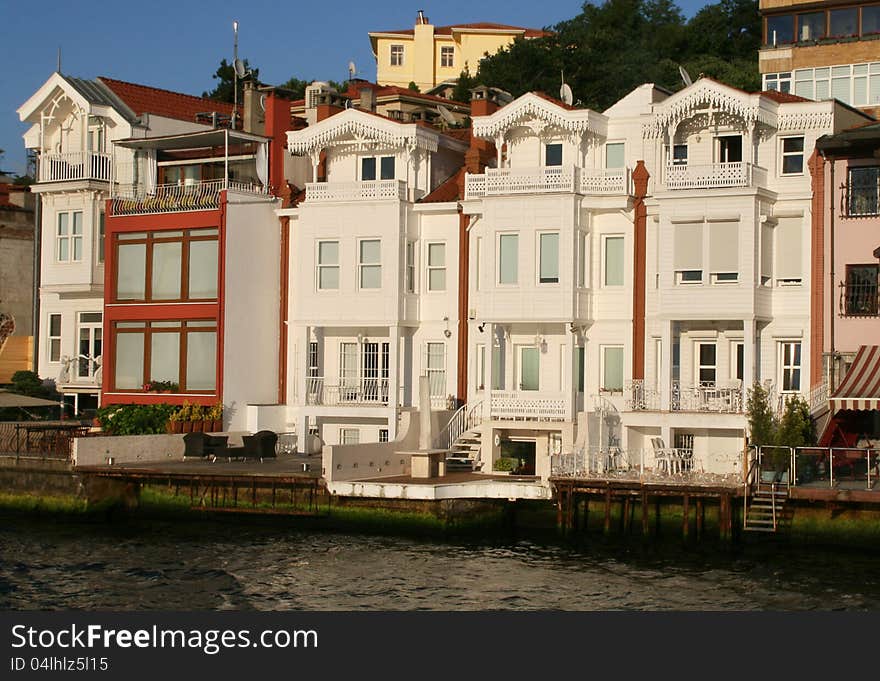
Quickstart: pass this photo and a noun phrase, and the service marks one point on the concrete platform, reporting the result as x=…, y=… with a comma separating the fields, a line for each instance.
x=457, y=485
x=284, y=466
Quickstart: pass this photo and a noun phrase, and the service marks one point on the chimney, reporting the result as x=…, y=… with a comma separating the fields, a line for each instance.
x=277, y=124
x=487, y=100
x=421, y=18
x=367, y=99
x=253, y=117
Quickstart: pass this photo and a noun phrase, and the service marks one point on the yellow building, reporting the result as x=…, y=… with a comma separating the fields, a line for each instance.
x=821, y=50
x=428, y=55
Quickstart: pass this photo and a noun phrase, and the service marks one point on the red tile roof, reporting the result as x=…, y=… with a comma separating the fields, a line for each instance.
x=557, y=102
x=144, y=99
x=450, y=190
x=354, y=88
x=484, y=25
x=783, y=97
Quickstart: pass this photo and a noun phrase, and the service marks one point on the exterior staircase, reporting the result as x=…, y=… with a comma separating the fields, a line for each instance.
x=461, y=438
x=765, y=503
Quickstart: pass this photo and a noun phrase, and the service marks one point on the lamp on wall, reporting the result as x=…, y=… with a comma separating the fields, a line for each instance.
x=481, y=327
x=447, y=332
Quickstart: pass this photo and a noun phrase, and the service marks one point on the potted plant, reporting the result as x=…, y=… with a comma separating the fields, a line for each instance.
x=175, y=424
x=197, y=418
x=215, y=416
x=185, y=416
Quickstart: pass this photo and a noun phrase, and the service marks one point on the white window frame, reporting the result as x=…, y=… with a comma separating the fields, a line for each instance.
x=783, y=154
x=378, y=160
x=583, y=259
x=603, y=349
x=364, y=265
x=780, y=80
x=520, y=350
x=435, y=383
x=447, y=54
x=92, y=328
x=670, y=154
x=546, y=146
x=783, y=368
x=681, y=279
x=349, y=436
x=383, y=435
x=396, y=53
x=429, y=268
x=410, y=275
x=538, y=243
x=698, y=363
x=320, y=266
x=611, y=143
x=50, y=338
x=69, y=237
x=604, y=258
x=498, y=260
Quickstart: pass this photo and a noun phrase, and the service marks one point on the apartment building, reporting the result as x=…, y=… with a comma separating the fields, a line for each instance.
x=429, y=55
x=822, y=50
x=74, y=123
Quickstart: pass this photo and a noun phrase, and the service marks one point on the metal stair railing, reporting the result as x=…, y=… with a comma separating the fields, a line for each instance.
x=467, y=417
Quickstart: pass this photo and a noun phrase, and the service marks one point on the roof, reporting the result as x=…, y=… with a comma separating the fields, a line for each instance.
x=143, y=99
x=8, y=399
x=216, y=137
x=478, y=26
x=860, y=389
x=557, y=102
x=385, y=90
x=860, y=139
x=783, y=97
x=450, y=190
x=95, y=92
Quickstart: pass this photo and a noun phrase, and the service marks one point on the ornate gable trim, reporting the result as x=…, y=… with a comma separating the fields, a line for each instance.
x=530, y=107
x=361, y=126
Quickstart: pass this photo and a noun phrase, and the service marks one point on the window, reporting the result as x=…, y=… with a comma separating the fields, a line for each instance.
x=101, y=235
x=349, y=436
x=385, y=164
x=478, y=256
x=383, y=435
x=811, y=26
x=328, y=265
x=410, y=267
x=738, y=365
x=780, y=29
x=614, y=155
x=860, y=291
x=435, y=368
x=481, y=367
x=612, y=368
x=54, y=337
x=553, y=154
x=854, y=84
x=182, y=265
x=706, y=362
x=497, y=368
x=843, y=22
x=548, y=266
x=793, y=156
x=730, y=149
x=613, y=261
x=583, y=264
x=69, y=237
x=397, y=55
x=370, y=264
x=679, y=155
x=863, y=191
x=437, y=267
x=91, y=330
x=790, y=355
x=780, y=82
x=529, y=367
x=871, y=20
x=789, y=242
x=314, y=368
x=579, y=368
x=447, y=56
x=508, y=259
x=181, y=352
x=724, y=251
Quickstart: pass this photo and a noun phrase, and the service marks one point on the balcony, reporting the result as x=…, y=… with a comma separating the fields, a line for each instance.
x=859, y=200
x=705, y=397
x=715, y=176
x=341, y=392
x=859, y=299
x=75, y=165
x=176, y=198
x=371, y=190
x=549, y=180
x=527, y=405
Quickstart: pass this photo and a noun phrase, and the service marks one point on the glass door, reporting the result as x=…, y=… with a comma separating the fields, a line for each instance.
x=529, y=368
x=89, y=346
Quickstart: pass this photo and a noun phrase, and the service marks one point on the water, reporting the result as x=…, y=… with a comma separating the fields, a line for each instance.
x=268, y=566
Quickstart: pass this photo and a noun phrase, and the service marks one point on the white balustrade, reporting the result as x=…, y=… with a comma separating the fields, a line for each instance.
x=605, y=181
x=370, y=190
x=346, y=391
x=75, y=165
x=706, y=396
x=526, y=405
x=715, y=175
x=554, y=179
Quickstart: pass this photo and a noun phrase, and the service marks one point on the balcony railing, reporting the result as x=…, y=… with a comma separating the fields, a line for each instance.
x=554, y=179
x=861, y=198
x=859, y=299
x=605, y=181
x=75, y=165
x=705, y=397
x=715, y=175
x=526, y=405
x=176, y=198
x=370, y=190
x=347, y=391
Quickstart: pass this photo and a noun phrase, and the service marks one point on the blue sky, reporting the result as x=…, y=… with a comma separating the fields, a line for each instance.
x=178, y=45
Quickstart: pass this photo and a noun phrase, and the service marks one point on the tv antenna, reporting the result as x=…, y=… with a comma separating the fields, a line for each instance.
x=565, y=93
x=446, y=115
x=685, y=76
x=238, y=71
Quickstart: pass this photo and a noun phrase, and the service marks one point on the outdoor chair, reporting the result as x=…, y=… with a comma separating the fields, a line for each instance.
x=202, y=445
x=260, y=445
x=670, y=459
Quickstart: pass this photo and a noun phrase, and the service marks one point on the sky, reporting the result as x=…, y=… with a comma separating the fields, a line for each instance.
x=178, y=45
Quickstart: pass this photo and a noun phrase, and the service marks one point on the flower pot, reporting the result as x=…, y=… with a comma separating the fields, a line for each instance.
x=187, y=426
x=217, y=425
x=198, y=426
x=175, y=427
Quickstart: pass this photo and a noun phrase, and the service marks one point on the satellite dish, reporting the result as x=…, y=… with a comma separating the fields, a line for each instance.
x=446, y=114
x=263, y=102
x=239, y=68
x=347, y=103
x=565, y=94
x=352, y=69
x=685, y=76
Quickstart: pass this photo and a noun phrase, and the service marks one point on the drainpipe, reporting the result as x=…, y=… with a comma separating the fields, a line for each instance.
x=38, y=231
x=832, y=289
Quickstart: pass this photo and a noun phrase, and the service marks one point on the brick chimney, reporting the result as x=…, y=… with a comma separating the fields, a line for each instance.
x=487, y=100
x=276, y=126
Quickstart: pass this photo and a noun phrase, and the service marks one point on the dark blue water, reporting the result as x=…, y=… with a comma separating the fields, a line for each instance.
x=260, y=566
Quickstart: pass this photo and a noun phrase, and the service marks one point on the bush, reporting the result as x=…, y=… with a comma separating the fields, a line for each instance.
x=505, y=463
x=135, y=419
x=27, y=383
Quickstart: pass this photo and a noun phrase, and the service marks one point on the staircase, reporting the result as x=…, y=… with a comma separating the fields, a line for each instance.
x=764, y=503
x=461, y=438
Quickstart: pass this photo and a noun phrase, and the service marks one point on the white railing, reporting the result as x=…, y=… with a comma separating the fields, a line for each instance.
x=614, y=461
x=639, y=397
x=167, y=198
x=706, y=396
x=247, y=187
x=467, y=417
x=347, y=391
x=503, y=181
x=605, y=181
x=75, y=165
x=715, y=175
x=375, y=190
x=525, y=405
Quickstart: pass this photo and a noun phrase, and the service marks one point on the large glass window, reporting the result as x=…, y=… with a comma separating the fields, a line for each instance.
x=612, y=368
x=328, y=265
x=863, y=191
x=860, y=292
x=508, y=258
x=69, y=237
x=182, y=265
x=811, y=26
x=370, y=264
x=614, y=155
x=613, y=260
x=843, y=22
x=780, y=29
x=179, y=352
x=548, y=248
x=553, y=154
x=437, y=267
x=792, y=155
x=790, y=355
x=397, y=55
x=871, y=20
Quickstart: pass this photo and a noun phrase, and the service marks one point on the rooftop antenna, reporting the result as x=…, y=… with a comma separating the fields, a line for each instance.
x=685, y=76
x=352, y=70
x=565, y=93
x=235, y=69
x=59, y=59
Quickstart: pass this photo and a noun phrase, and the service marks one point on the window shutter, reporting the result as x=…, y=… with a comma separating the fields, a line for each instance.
x=766, y=250
x=788, y=251
x=688, y=246
x=724, y=246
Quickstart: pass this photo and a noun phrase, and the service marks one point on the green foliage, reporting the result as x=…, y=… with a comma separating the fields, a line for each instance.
x=296, y=86
x=762, y=423
x=225, y=76
x=412, y=86
x=135, y=419
x=28, y=383
x=466, y=82
x=613, y=47
x=505, y=463
x=795, y=428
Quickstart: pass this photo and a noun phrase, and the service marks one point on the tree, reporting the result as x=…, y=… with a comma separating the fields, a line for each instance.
x=225, y=77
x=464, y=85
x=762, y=424
x=795, y=427
x=296, y=86
x=27, y=383
x=412, y=86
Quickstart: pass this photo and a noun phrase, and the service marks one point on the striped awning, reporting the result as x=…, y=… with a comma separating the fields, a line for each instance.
x=860, y=390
